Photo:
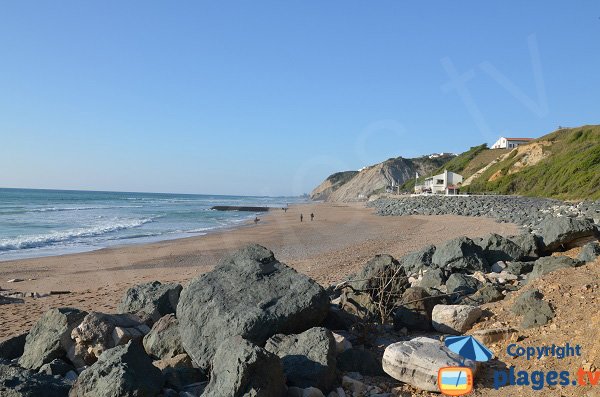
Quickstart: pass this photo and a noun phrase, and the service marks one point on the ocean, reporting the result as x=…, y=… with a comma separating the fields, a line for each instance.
x=37, y=223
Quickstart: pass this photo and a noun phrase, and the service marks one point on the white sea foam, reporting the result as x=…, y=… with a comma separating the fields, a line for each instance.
x=58, y=209
x=42, y=240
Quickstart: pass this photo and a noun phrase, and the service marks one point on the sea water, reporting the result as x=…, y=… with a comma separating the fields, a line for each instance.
x=52, y=222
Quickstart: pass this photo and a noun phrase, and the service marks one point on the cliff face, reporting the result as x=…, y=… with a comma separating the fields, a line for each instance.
x=331, y=184
x=378, y=177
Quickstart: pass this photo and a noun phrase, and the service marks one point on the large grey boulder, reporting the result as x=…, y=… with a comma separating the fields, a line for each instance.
x=56, y=367
x=50, y=337
x=498, y=248
x=308, y=358
x=415, y=311
x=99, y=332
x=19, y=382
x=454, y=319
x=463, y=284
x=486, y=294
x=375, y=287
x=13, y=347
x=150, y=301
x=418, y=361
x=432, y=279
x=535, y=311
x=559, y=232
x=549, y=264
x=419, y=260
x=519, y=268
x=529, y=244
x=125, y=370
x=250, y=294
x=163, y=341
x=460, y=254
x=241, y=369
x=590, y=252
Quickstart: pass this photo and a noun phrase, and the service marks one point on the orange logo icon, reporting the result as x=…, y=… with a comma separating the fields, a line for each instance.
x=455, y=381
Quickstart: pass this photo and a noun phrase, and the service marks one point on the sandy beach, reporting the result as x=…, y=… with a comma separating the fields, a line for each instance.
x=337, y=243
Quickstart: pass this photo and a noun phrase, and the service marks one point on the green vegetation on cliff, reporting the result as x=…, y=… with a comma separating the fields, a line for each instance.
x=568, y=167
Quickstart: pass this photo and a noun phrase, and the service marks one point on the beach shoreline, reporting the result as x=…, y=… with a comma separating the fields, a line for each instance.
x=326, y=249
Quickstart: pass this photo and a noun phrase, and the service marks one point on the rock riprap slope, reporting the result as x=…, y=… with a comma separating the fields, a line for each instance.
x=528, y=212
x=255, y=327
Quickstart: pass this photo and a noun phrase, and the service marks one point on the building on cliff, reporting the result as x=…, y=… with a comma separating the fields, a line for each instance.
x=445, y=183
x=510, y=143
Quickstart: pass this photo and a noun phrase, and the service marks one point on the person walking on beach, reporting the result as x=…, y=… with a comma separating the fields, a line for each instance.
x=301, y=217
x=312, y=216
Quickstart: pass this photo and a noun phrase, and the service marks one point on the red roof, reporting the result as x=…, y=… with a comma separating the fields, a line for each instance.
x=519, y=139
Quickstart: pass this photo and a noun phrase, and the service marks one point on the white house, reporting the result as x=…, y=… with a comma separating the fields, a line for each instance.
x=446, y=183
x=510, y=143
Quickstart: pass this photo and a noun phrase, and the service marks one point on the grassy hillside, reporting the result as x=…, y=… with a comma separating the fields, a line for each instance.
x=456, y=164
x=569, y=168
x=482, y=159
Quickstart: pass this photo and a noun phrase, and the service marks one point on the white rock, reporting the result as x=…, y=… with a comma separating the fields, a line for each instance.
x=418, y=361
x=454, y=319
x=498, y=266
x=341, y=343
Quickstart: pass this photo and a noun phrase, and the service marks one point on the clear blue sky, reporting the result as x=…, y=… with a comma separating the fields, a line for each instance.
x=269, y=97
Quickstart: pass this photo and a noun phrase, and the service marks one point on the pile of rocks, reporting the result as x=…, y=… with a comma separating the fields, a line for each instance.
x=255, y=327
x=524, y=211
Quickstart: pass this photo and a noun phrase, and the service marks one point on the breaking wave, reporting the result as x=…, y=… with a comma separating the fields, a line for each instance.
x=43, y=240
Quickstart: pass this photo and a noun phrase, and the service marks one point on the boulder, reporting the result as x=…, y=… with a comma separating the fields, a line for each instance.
x=533, y=308
x=377, y=286
x=497, y=248
x=361, y=361
x=529, y=244
x=460, y=254
x=463, y=284
x=99, y=332
x=56, y=367
x=341, y=343
x=418, y=361
x=486, y=294
x=250, y=294
x=125, y=370
x=359, y=305
x=519, y=268
x=19, y=382
x=549, y=264
x=415, y=262
x=558, y=232
x=589, y=252
x=50, y=337
x=454, y=319
x=163, y=340
x=150, y=301
x=308, y=358
x=13, y=347
x=241, y=369
x=415, y=314
x=338, y=318
x=432, y=278
x=179, y=372
x=179, y=378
